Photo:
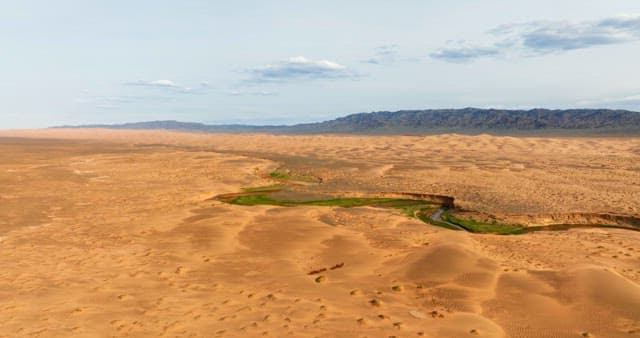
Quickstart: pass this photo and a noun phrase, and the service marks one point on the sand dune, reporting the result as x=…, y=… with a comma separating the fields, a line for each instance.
x=113, y=233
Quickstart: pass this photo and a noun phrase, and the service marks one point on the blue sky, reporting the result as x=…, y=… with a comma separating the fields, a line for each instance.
x=273, y=62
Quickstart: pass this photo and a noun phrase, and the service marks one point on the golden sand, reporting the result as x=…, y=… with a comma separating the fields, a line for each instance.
x=113, y=233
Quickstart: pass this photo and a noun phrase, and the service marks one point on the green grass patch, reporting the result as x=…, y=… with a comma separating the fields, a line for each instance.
x=266, y=188
x=352, y=202
x=409, y=207
x=257, y=200
x=279, y=175
x=485, y=228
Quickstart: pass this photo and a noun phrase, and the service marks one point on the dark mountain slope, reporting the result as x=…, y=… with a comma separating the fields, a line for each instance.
x=481, y=119
x=467, y=120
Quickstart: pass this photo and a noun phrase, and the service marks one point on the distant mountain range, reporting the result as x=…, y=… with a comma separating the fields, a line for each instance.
x=467, y=120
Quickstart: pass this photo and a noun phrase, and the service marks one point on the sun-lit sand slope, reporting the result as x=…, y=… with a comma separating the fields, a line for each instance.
x=113, y=233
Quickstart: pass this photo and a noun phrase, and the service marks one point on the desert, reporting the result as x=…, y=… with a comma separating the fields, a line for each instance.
x=334, y=169
x=112, y=233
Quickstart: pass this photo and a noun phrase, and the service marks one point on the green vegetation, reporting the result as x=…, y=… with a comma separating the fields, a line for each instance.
x=425, y=217
x=256, y=200
x=409, y=207
x=349, y=202
x=260, y=199
x=485, y=228
x=279, y=175
x=266, y=188
x=282, y=176
x=561, y=227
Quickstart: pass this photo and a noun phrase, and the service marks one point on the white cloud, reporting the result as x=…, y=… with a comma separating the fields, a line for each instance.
x=300, y=68
x=544, y=37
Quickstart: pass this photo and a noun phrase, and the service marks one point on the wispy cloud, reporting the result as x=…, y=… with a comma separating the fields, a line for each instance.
x=154, y=84
x=545, y=37
x=106, y=99
x=253, y=93
x=383, y=55
x=113, y=102
x=462, y=53
x=107, y=107
x=168, y=85
x=299, y=68
x=625, y=101
x=147, y=91
x=388, y=55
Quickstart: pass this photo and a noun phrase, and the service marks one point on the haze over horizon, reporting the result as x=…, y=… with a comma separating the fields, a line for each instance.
x=250, y=62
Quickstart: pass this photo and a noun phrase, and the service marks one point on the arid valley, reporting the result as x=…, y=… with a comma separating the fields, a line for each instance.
x=119, y=233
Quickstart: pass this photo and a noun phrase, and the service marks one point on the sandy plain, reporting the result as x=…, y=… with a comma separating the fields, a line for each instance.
x=114, y=233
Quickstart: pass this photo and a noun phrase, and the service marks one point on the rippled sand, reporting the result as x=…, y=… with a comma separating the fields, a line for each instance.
x=113, y=233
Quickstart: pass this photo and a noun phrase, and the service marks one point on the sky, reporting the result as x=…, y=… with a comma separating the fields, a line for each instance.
x=283, y=62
